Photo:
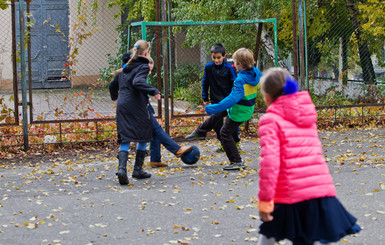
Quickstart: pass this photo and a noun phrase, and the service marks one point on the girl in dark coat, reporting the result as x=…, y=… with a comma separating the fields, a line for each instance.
x=133, y=119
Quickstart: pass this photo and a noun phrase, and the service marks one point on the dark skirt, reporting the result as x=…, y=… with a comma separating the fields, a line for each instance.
x=322, y=219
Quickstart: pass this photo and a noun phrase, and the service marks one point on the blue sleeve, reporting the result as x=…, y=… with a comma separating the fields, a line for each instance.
x=233, y=73
x=205, y=87
x=237, y=93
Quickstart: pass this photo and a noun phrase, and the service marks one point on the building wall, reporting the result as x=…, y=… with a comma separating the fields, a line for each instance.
x=92, y=52
x=6, y=49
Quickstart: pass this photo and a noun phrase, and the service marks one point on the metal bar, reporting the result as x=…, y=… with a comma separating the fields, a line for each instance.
x=362, y=114
x=128, y=38
x=189, y=23
x=305, y=39
x=74, y=120
x=275, y=42
x=143, y=29
x=61, y=133
x=295, y=40
x=158, y=57
x=14, y=65
x=23, y=80
x=301, y=45
x=165, y=70
x=97, y=131
x=29, y=68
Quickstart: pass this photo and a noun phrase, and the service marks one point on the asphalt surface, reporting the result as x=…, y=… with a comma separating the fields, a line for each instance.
x=79, y=201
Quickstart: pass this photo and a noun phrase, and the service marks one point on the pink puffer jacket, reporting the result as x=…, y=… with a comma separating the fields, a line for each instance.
x=292, y=167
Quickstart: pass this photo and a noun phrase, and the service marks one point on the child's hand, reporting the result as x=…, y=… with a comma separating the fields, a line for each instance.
x=206, y=103
x=149, y=100
x=158, y=96
x=209, y=109
x=265, y=216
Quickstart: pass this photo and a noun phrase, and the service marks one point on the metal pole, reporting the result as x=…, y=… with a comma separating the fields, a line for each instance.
x=158, y=57
x=305, y=39
x=165, y=69
x=23, y=80
x=276, y=43
x=295, y=40
x=301, y=44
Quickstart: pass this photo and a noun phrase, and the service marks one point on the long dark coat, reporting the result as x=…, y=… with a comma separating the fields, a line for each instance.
x=131, y=89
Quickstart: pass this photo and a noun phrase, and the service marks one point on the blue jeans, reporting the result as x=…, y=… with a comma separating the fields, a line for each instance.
x=160, y=137
x=126, y=146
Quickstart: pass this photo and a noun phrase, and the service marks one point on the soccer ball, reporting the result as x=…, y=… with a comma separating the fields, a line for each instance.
x=192, y=156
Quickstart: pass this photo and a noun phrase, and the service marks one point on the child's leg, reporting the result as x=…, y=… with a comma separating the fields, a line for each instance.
x=156, y=156
x=262, y=240
x=138, y=172
x=210, y=123
x=141, y=146
x=162, y=138
x=124, y=146
x=228, y=141
x=217, y=129
x=123, y=158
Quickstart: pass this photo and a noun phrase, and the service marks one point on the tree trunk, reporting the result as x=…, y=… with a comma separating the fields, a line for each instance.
x=268, y=45
x=345, y=65
x=365, y=60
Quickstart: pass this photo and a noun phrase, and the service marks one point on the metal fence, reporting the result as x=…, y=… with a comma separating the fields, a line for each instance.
x=346, y=42
x=70, y=56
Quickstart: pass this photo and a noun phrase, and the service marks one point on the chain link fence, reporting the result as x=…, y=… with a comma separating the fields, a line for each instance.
x=346, y=47
x=74, y=46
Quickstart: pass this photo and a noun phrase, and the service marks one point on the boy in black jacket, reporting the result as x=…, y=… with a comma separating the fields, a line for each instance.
x=217, y=83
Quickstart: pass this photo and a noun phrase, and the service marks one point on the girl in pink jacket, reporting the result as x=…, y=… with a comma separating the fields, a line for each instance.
x=297, y=198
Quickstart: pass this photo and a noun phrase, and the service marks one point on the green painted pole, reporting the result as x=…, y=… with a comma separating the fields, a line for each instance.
x=305, y=38
x=128, y=38
x=275, y=42
x=144, y=32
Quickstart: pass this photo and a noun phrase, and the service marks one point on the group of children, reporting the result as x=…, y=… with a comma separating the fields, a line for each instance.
x=297, y=198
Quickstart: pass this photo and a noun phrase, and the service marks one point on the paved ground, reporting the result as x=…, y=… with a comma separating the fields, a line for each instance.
x=79, y=201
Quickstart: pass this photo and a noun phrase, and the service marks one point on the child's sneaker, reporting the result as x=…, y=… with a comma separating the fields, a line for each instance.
x=195, y=136
x=235, y=166
x=220, y=149
x=239, y=146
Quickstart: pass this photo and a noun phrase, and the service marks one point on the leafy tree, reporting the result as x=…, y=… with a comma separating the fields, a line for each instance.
x=4, y=4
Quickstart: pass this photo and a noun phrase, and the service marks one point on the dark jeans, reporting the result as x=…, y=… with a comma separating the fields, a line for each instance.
x=160, y=137
x=215, y=122
x=228, y=142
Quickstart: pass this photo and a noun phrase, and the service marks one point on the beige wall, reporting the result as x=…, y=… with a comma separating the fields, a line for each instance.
x=92, y=53
x=5, y=48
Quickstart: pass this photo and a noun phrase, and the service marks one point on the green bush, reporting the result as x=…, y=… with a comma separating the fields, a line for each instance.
x=187, y=74
x=192, y=94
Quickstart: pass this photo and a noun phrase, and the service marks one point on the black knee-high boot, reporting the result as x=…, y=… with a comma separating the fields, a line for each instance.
x=138, y=172
x=122, y=169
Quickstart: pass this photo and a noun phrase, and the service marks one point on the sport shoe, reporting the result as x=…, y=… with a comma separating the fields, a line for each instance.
x=235, y=166
x=183, y=150
x=195, y=136
x=239, y=146
x=220, y=149
x=158, y=164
